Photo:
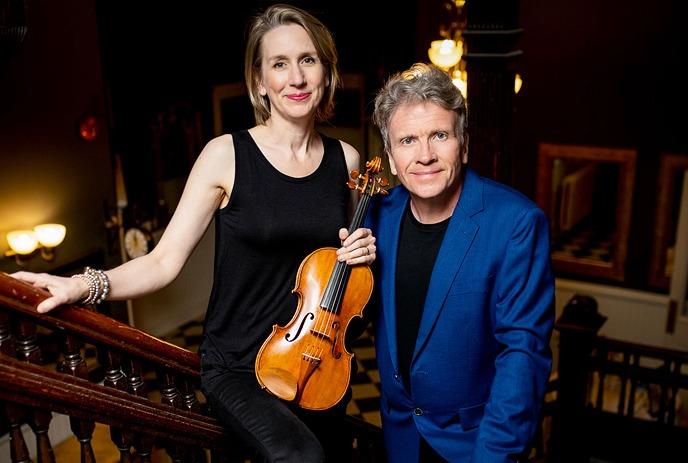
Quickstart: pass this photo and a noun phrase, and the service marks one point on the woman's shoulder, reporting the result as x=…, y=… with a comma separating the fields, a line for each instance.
x=221, y=146
x=218, y=154
x=351, y=155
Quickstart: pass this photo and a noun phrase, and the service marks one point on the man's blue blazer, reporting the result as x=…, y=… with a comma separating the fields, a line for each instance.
x=482, y=357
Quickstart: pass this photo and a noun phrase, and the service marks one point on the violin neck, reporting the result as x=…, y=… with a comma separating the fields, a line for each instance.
x=334, y=291
x=360, y=213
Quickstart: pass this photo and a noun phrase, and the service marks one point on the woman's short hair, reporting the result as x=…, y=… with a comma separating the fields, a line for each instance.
x=421, y=82
x=280, y=15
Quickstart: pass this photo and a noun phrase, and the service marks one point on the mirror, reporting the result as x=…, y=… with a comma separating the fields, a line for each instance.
x=587, y=194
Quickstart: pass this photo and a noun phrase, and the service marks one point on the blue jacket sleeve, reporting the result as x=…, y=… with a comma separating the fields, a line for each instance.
x=523, y=319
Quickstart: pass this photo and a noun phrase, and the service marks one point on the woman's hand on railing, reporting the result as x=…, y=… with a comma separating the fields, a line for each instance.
x=62, y=290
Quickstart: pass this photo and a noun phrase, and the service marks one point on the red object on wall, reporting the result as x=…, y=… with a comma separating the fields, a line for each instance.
x=88, y=128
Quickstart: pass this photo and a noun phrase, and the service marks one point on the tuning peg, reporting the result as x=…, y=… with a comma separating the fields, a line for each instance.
x=352, y=184
x=384, y=182
x=355, y=174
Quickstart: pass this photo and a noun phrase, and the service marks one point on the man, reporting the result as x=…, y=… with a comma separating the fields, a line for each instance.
x=464, y=286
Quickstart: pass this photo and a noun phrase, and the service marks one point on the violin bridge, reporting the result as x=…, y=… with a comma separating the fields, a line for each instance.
x=321, y=335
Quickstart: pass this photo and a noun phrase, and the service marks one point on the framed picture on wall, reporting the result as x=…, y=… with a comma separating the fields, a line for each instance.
x=587, y=193
x=232, y=109
x=671, y=172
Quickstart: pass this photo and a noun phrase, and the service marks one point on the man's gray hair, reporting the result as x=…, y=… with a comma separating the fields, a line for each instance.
x=421, y=82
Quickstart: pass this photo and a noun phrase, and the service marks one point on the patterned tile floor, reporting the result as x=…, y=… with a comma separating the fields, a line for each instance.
x=365, y=384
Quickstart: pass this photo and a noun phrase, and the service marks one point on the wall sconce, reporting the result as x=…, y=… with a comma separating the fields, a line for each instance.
x=24, y=243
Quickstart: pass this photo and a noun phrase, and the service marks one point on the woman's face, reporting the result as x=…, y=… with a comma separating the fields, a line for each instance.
x=292, y=75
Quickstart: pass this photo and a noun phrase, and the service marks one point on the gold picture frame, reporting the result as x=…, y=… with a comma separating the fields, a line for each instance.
x=671, y=169
x=587, y=193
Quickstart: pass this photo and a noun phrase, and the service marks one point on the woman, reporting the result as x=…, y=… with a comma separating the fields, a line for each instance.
x=277, y=191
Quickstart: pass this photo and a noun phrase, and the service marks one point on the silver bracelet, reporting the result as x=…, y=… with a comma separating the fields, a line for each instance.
x=98, y=285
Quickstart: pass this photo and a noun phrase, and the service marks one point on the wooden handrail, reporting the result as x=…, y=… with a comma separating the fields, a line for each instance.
x=642, y=349
x=24, y=298
x=28, y=384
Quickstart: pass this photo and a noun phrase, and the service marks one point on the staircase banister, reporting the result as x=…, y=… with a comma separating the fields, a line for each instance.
x=612, y=344
x=31, y=385
x=24, y=298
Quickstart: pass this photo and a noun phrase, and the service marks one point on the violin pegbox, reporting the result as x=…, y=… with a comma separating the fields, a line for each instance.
x=369, y=182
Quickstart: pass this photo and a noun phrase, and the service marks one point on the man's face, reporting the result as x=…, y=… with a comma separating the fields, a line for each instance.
x=426, y=154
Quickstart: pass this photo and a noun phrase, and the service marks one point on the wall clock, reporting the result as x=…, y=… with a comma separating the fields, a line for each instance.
x=137, y=242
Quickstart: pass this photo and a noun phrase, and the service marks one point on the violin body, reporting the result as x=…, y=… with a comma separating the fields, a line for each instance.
x=306, y=361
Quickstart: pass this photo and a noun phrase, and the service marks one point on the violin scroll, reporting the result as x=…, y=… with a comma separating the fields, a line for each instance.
x=369, y=183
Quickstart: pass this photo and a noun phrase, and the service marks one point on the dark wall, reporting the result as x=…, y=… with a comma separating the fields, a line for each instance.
x=48, y=173
x=605, y=74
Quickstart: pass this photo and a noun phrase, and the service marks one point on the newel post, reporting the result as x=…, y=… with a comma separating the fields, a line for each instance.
x=578, y=327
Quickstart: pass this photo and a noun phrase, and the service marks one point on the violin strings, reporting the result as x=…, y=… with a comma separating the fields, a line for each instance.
x=342, y=270
x=334, y=291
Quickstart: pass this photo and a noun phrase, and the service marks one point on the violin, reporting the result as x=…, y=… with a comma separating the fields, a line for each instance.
x=306, y=361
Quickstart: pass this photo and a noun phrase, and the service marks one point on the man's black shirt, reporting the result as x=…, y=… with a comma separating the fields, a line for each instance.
x=418, y=247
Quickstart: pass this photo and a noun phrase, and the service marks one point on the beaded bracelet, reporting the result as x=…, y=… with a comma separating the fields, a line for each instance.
x=98, y=285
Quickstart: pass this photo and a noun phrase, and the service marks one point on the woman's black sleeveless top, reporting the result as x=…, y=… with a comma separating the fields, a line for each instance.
x=271, y=223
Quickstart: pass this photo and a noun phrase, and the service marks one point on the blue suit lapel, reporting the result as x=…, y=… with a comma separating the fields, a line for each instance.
x=457, y=241
x=390, y=244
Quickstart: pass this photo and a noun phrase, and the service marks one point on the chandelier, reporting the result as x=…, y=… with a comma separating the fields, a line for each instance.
x=446, y=53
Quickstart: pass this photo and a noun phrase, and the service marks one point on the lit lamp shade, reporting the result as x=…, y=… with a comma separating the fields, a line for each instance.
x=445, y=53
x=50, y=235
x=22, y=241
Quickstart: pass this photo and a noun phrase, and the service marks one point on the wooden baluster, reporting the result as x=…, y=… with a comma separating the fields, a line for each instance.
x=136, y=386
x=676, y=373
x=190, y=402
x=25, y=342
x=189, y=399
x=169, y=395
x=144, y=447
x=135, y=383
x=73, y=364
x=115, y=378
x=630, y=410
x=19, y=453
x=623, y=376
x=27, y=349
x=221, y=456
x=40, y=424
x=664, y=391
x=6, y=340
x=603, y=358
